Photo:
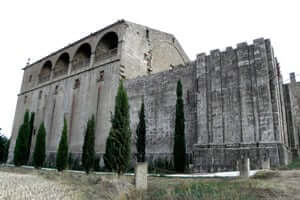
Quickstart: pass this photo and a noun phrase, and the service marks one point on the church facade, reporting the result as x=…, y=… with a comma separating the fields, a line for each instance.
x=235, y=102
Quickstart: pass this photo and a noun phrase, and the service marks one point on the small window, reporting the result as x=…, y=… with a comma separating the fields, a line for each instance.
x=30, y=78
x=56, y=89
x=25, y=99
x=188, y=96
x=76, y=84
x=147, y=33
x=40, y=94
x=101, y=76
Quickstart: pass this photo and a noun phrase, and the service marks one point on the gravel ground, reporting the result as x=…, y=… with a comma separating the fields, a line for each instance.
x=29, y=186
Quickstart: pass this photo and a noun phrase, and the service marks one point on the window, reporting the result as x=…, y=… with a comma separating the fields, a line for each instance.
x=30, y=78
x=147, y=33
x=76, y=84
x=40, y=94
x=101, y=76
x=25, y=99
x=56, y=89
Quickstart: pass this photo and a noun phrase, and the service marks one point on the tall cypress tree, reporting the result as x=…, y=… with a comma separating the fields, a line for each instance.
x=62, y=152
x=40, y=147
x=141, y=135
x=31, y=128
x=179, y=154
x=21, y=147
x=4, y=142
x=118, y=143
x=88, y=149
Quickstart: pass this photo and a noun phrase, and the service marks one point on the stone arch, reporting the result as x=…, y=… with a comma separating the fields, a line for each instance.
x=45, y=72
x=107, y=46
x=82, y=57
x=62, y=65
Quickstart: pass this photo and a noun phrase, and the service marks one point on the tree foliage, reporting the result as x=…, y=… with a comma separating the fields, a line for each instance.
x=88, y=149
x=62, y=152
x=31, y=129
x=179, y=154
x=118, y=143
x=22, y=147
x=141, y=135
x=40, y=147
x=4, y=145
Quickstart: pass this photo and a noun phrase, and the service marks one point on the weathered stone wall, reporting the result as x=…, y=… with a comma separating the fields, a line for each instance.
x=239, y=108
x=233, y=99
x=90, y=89
x=149, y=51
x=292, y=101
x=159, y=94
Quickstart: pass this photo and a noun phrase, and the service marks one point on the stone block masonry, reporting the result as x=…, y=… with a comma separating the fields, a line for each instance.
x=232, y=102
x=235, y=105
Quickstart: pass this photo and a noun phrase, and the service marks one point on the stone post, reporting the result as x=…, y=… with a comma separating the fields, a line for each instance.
x=266, y=163
x=244, y=167
x=141, y=173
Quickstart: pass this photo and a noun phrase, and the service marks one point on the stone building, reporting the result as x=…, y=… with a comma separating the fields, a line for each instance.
x=235, y=102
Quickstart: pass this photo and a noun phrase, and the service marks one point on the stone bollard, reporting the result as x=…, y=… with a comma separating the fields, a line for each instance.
x=244, y=167
x=266, y=163
x=141, y=173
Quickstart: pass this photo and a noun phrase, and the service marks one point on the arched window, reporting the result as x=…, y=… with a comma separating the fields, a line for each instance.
x=107, y=47
x=62, y=64
x=82, y=57
x=45, y=72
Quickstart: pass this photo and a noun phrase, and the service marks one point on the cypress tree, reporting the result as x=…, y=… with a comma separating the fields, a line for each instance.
x=6, y=150
x=62, y=152
x=118, y=143
x=21, y=147
x=40, y=147
x=4, y=142
x=179, y=154
x=141, y=135
x=88, y=151
x=31, y=127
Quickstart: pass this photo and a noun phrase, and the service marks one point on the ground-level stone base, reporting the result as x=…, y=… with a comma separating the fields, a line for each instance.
x=214, y=158
x=204, y=158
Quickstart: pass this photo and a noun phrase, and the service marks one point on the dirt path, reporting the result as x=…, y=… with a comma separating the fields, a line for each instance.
x=19, y=183
x=29, y=186
x=287, y=183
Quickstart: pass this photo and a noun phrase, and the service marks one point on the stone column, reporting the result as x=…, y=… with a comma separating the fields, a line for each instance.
x=70, y=67
x=202, y=132
x=92, y=59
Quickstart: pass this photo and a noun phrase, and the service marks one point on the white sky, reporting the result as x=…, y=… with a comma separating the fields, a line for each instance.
x=35, y=28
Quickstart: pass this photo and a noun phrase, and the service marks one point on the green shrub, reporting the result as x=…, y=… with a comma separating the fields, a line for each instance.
x=118, y=143
x=179, y=153
x=88, y=149
x=21, y=148
x=141, y=135
x=4, y=145
x=40, y=147
x=62, y=153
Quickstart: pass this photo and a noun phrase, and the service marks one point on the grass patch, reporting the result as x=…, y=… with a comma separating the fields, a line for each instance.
x=266, y=175
x=295, y=164
x=203, y=190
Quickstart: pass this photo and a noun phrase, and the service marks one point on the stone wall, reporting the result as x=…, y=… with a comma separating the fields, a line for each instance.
x=292, y=101
x=233, y=108
x=88, y=83
x=159, y=94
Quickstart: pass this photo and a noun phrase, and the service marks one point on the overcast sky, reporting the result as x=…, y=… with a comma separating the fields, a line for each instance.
x=34, y=29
